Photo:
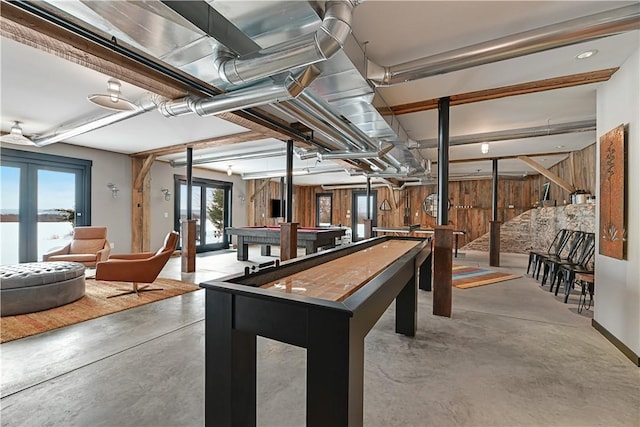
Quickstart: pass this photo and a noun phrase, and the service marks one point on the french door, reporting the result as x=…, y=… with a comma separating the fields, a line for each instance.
x=359, y=213
x=210, y=207
x=43, y=198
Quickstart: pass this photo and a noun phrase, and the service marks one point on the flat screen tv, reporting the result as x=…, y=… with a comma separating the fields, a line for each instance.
x=276, y=211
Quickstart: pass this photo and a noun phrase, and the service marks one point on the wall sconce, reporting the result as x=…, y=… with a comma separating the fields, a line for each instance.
x=114, y=189
x=229, y=171
x=484, y=148
x=242, y=198
x=167, y=194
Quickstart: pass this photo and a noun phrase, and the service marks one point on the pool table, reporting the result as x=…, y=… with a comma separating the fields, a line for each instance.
x=326, y=303
x=309, y=238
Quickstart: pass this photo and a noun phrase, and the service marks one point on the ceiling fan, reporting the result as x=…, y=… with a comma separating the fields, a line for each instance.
x=15, y=136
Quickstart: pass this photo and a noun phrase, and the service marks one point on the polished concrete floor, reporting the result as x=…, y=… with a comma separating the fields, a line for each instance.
x=512, y=354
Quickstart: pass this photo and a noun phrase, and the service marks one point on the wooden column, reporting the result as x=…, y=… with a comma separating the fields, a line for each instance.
x=494, y=244
x=288, y=240
x=141, y=204
x=188, y=244
x=442, y=270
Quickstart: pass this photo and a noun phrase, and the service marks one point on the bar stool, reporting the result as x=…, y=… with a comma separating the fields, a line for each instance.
x=586, y=281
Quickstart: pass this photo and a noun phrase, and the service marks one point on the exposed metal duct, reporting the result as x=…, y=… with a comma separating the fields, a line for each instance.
x=504, y=135
x=229, y=157
x=565, y=33
x=145, y=103
x=306, y=50
x=260, y=94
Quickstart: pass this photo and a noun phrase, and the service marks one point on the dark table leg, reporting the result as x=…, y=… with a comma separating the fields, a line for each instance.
x=310, y=248
x=243, y=249
x=265, y=250
x=407, y=309
x=335, y=371
x=230, y=370
x=425, y=274
x=456, y=247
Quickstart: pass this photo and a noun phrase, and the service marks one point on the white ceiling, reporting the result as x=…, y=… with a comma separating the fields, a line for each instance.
x=44, y=92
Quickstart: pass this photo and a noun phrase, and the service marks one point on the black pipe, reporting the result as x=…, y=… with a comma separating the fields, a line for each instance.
x=189, y=180
x=289, y=180
x=282, y=208
x=494, y=197
x=443, y=161
x=368, y=198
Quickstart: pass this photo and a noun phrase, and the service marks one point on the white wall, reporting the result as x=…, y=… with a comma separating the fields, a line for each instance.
x=617, y=300
x=162, y=177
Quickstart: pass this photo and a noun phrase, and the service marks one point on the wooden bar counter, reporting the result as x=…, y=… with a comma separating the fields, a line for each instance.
x=326, y=303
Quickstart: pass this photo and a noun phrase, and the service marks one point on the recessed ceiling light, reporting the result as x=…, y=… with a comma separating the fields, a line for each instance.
x=559, y=146
x=587, y=54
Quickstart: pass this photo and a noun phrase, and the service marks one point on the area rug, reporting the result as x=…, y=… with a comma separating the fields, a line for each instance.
x=94, y=304
x=469, y=277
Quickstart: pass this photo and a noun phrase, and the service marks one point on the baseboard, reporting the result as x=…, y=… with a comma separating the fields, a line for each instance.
x=617, y=343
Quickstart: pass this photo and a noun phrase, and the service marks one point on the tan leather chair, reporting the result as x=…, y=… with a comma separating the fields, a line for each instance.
x=142, y=267
x=88, y=246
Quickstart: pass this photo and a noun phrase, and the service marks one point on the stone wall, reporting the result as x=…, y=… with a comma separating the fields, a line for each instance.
x=536, y=228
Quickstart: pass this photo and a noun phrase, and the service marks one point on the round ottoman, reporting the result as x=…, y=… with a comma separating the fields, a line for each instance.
x=36, y=286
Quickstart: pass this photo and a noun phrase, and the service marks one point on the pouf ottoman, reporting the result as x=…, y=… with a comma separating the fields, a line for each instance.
x=37, y=286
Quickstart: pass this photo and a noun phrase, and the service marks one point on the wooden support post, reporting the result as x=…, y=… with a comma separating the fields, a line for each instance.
x=442, y=270
x=494, y=243
x=368, y=228
x=288, y=240
x=188, y=235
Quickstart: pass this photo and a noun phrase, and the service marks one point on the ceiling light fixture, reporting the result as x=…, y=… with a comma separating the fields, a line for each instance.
x=484, y=148
x=229, y=171
x=587, y=54
x=113, y=100
x=15, y=136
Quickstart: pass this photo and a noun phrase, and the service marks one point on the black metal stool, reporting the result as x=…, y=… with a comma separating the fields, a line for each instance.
x=586, y=281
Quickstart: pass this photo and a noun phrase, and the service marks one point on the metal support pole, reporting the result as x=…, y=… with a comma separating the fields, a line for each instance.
x=494, y=198
x=282, y=209
x=368, y=198
x=443, y=161
x=289, y=217
x=189, y=180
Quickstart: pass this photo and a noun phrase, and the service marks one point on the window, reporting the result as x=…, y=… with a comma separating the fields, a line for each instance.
x=43, y=198
x=323, y=209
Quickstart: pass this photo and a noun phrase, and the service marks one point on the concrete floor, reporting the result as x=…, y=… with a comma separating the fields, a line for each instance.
x=512, y=354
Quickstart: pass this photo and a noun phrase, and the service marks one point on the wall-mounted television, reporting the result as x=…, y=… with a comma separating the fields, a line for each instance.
x=278, y=210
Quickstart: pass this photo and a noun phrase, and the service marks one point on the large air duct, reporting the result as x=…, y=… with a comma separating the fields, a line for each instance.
x=504, y=135
x=306, y=50
x=562, y=34
x=145, y=103
x=261, y=94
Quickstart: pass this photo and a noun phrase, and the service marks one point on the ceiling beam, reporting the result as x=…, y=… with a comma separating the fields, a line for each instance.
x=547, y=173
x=505, y=91
x=204, y=143
x=488, y=159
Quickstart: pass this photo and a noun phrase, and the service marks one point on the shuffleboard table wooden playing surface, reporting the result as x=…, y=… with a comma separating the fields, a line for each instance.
x=325, y=302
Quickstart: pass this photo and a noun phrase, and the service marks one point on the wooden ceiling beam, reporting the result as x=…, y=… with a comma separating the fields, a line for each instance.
x=505, y=91
x=547, y=173
x=202, y=144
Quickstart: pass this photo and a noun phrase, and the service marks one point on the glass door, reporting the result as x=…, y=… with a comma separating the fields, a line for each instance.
x=56, y=201
x=210, y=207
x=43, y=198
x=359, y=213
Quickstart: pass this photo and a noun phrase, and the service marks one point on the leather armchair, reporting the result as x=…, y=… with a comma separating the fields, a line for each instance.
x=88, y=246
x=142, y=267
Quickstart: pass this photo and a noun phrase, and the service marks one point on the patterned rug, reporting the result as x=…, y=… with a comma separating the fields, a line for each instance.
x=469, y=277
x=94, y=304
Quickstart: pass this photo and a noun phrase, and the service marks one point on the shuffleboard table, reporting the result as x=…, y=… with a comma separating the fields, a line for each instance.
x=325, y=302
x=309, y=238
x=415, y=230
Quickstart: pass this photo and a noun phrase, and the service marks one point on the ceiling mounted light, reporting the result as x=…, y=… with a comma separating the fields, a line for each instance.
x=113, y=99
x=229, y=171
x=15, y=136
x=484, y=148
x=587, y=54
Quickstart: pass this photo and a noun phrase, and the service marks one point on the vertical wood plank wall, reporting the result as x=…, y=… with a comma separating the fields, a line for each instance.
x=470, y=200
